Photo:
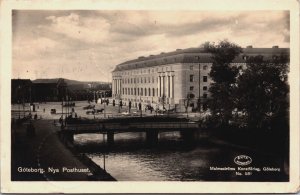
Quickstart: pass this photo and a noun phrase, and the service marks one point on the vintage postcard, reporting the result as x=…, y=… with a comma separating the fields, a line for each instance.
x=149, y=96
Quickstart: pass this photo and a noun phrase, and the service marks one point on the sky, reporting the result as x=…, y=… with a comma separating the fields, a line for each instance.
x=87, y=45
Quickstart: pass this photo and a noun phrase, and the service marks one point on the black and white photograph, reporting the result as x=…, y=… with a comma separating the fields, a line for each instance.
x=137, y=95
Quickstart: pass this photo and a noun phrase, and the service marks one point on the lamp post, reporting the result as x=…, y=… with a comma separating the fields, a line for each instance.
x=105, y=105
x=199, y=105
x=104, y=153
x=30, y=101
x=19, y=101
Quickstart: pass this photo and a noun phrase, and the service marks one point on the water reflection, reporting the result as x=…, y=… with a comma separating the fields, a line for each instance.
x=170, y=160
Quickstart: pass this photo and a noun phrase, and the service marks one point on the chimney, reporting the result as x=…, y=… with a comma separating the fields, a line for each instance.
x=275, y=46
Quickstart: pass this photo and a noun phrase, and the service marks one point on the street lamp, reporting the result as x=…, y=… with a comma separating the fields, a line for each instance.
x=199, y=105
x=19, y=101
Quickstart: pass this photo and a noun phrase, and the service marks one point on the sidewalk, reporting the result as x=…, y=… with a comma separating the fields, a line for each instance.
x=44, y=156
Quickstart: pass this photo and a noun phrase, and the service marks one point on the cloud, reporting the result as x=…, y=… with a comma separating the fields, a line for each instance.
x=86, y=45
x=29, y=48
x=89, y=30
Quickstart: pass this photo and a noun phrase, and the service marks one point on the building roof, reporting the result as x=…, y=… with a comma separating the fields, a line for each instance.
x=193, y=55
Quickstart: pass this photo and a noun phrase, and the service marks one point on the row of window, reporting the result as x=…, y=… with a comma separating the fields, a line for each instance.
x=141, y=71
x=152, y=70
x=204, y=88
x=140, y=91
x=204, y=67
x=138, y=80
x=192, y=78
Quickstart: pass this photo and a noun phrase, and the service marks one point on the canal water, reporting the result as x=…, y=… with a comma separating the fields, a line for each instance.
x=172, y=159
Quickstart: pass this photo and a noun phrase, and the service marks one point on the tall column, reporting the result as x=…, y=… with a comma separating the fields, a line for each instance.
x=116, y=86
x=120, y=81
x=163, y=86
x=159, y=88
x=119, y=86
x=172, y=94
x=112, y=87
x=168, y=86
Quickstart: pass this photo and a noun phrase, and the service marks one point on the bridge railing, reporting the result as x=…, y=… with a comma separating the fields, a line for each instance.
x=122, y=126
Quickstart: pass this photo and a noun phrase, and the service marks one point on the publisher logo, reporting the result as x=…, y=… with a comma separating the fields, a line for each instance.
x=242, y=160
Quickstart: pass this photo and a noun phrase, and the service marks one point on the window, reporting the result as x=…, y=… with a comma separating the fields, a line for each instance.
x=191, y=67
x=134, y=91
x=204, y=78
x=138, y=91
x=205, y=88
x=141, y=91
x=191, y=96
x=123, y=91
x=191, y=88
x=149, y=92
x=204, y=67
x=204, y=95
x=131, y=91
x=145, y=92
x=153, y=92
x=191, y=78
x=152, y=79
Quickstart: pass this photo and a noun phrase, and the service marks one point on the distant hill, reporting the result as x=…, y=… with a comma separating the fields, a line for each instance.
x=75, y=85
x=68, y=81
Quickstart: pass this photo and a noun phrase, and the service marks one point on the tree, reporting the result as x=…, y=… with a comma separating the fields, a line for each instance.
x=222, y=101
x=263, y=91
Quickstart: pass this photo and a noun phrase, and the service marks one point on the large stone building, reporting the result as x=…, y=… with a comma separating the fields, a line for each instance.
x=174, y=79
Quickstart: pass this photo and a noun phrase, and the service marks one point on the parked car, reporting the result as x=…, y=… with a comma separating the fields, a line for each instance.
x=53, y=111
x=89, y=107
x=99, y=110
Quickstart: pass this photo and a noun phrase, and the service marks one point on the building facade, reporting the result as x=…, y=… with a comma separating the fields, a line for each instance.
x=173, y=80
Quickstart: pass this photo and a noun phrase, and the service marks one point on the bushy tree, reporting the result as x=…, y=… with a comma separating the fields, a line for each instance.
x=222, y=101
x=262, y=91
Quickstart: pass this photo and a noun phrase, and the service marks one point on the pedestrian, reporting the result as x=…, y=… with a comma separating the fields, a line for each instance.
x=44, y=109
x=129, y=106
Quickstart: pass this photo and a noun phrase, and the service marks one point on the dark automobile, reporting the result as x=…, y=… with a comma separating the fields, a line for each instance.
x=53, y=111
x=89, y=107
